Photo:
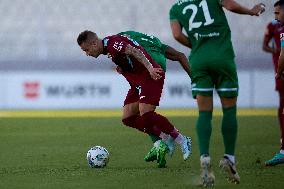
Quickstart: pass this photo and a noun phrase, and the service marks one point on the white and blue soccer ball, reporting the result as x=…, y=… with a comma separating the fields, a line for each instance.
x=97, y=157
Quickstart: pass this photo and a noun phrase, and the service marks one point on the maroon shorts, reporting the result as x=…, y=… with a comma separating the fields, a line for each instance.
x=279, y=85
x=149, y=92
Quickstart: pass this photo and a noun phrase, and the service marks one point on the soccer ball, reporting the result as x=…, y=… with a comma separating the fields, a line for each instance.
x=97, y=157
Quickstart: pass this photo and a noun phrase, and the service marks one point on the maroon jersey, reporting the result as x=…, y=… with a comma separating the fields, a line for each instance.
x=133, y=70
x=273, y=31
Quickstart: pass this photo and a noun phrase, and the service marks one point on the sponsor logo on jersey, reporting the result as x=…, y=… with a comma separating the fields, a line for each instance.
x=209, y=35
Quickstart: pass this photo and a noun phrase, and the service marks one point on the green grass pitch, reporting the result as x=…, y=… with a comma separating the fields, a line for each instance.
x=42, y=152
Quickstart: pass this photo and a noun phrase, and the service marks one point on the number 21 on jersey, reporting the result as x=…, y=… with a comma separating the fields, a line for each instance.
x=208, y=20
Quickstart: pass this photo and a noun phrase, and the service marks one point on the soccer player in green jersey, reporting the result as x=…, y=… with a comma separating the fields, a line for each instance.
x=212, y=67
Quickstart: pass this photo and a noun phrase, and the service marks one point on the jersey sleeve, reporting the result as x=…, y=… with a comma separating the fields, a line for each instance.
x=269, y=31
x=282, y=39
x=164, y=48
x=172, y=14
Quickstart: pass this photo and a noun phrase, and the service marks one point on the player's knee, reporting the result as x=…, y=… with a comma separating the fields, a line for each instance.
x=129, y=121
x=134, y=122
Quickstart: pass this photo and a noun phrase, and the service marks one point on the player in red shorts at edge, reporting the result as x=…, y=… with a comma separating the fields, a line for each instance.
x=273, y=31
x=140, y=70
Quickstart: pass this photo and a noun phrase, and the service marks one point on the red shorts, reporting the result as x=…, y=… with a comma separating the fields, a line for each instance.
x=279, y=85
x=149, y=92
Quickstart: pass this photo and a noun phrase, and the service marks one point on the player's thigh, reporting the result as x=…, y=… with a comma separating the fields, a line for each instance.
x=129, y=110
x=280, y=87
x=225, y=79
x=131, y=103
x=228, y=102
x=144, y=108
x=205, y=103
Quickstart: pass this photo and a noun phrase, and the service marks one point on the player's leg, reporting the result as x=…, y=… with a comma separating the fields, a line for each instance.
x=227, y=88
x=203, y=126
x=160, y=125
x=156, y=52
x=229, y=132
x=149, y=98
x=204, y=130
x=279, y=157
x=131, y=118
x=282, y=120
x=281, y=117
x=229, y=125
x=202, y=91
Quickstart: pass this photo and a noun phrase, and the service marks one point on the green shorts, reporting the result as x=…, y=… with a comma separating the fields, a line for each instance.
x=219, y=75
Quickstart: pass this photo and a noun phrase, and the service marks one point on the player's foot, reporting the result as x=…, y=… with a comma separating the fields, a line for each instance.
x=207, y=177
x=186, y=148
x=277, y=159
x=171, y=145
x=152, y=155
x=161, y=154
x=230, y=170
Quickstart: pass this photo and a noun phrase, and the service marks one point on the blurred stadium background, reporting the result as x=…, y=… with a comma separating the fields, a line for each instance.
x=41, y=66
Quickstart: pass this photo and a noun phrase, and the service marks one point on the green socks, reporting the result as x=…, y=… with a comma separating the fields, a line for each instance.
x=204, y=129
x=230, y=129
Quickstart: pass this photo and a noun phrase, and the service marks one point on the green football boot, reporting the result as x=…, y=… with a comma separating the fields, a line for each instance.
x=161, y=154
x=277, y=159
x=152, y=155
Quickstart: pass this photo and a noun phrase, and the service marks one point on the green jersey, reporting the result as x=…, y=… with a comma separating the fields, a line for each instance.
x=207, y=28
x=151, y=44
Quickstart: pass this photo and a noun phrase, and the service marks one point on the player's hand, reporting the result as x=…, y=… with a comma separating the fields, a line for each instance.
x=280, y=74
x=258, y=9
x=280, y=71
x=155, y=73
x=276, y=50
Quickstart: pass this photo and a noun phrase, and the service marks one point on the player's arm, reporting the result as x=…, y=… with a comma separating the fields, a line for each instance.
x=280, y=68
x=267, y=38
x=178, y=34
x=139, y=56
x=265, y=44
x=235, y=7
x=175, y=55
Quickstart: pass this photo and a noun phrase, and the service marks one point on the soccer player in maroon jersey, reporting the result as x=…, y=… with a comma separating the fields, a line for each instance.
x=143, y=74
x=273, y=31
